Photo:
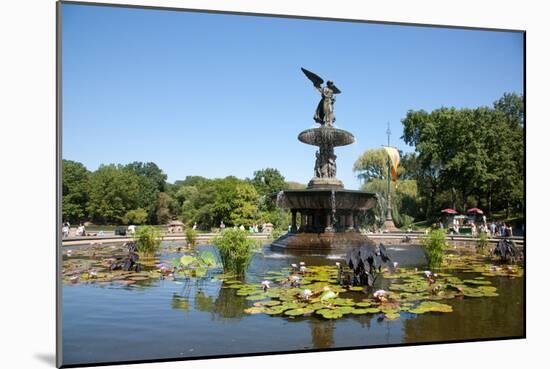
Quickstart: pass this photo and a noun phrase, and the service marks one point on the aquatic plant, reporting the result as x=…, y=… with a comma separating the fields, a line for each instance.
x=191, y=236
x=482, y=242
x=127, y=263
x=507, y=250
x=235, y=249
x=434, y=245
x=147, y=239
x=365, y=263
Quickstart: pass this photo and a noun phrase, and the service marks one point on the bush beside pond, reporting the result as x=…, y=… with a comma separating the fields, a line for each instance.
x=235, y=249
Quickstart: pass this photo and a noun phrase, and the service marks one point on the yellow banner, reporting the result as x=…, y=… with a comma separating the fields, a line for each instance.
x=394, y=159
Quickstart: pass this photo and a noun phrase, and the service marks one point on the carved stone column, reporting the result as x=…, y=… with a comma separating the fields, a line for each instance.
x=330, y=225
x=349, y=222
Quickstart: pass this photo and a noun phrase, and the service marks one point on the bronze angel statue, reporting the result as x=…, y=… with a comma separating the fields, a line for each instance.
x=324, y=114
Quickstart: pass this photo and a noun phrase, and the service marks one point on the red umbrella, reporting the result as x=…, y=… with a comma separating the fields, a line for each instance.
x=475, y=210
x=449, y=211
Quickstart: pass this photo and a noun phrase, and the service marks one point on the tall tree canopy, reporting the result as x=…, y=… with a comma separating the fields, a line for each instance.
x=472, y=154
x=114, y=191
x=75, y=183
x=152, y=181
x=267, y=181
x=372, y=164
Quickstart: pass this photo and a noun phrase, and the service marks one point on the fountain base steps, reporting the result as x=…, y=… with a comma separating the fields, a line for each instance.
x=321, y=241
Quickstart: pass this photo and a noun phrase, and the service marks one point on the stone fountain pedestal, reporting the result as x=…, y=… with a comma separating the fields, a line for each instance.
x=329, y=213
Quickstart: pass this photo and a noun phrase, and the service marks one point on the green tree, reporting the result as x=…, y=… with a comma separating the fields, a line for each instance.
x=230, y=200
x=75, y=183
x=152, y=181
x=372, y=164
x=113, y=191
x=244, y=205
x=295, y=185
x=135, y=216
x=508, y=162
x=404, y=197
x=470, y=153
x=192, y=181
x=166, y=208
x=267, y=181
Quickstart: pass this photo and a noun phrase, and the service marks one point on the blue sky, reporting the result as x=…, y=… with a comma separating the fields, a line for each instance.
x=217, y=95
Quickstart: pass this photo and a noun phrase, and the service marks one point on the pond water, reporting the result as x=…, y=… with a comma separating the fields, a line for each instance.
x=161, y=318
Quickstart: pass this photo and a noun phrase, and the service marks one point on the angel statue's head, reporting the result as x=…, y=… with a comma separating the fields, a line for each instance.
x=330, y=83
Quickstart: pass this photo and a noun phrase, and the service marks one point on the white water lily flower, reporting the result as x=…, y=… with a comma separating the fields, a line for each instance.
x=379, y=293
x=266, y=284
x=307, y=293
x=337, y=264
x=395, y=264
x=302, y=269
x=294, y=265
x=427, y=273
x=302, y=263
x=326, y=288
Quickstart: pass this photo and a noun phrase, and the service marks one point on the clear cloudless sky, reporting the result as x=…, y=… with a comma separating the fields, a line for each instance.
x=218, y=94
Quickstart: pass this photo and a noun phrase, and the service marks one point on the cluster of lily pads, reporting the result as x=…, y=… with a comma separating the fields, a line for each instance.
x=94, y=265
x=316, y=290
x=307, y=291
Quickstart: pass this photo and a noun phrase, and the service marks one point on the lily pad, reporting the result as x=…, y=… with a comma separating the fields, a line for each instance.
x=257, y=297
x=267, y=303
x=187, y=260
x=391, y=316
x=363, y=304
x=254, y=310
x=274, y=310
x=329, y=313
x=430, y=306
x=372, y=310
x=477, y=282
x=299, y=311
x=327, y=295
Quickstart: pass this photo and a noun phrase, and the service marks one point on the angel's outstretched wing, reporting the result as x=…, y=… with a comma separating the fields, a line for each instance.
x=334, y=89
x=317, y=81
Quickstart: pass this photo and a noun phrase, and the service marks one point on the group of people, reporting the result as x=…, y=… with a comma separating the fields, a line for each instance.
x=66, y=230
x=254, y=228
x=500, y=229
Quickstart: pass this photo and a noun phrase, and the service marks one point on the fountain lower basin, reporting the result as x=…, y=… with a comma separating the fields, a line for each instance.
x=329, y=218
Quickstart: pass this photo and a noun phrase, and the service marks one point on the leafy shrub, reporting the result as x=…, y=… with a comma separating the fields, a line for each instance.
x=136, y=216
x=191, y=236
x=147, y=239
x=235, y=250
x=482, y=242
x=434, y=245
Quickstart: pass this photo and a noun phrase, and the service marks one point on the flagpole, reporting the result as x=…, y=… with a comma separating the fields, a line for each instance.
x=388, y=214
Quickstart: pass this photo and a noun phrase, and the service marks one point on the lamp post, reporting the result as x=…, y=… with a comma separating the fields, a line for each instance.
x=388, y=223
